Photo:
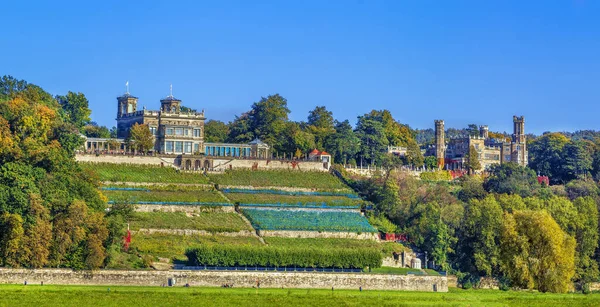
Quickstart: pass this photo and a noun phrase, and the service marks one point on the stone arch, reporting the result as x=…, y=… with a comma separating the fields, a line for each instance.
x=188, y=164
x=207, y=164
x=197, y=165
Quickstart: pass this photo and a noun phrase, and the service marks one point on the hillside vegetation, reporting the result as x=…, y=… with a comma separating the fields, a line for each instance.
x=321, y=181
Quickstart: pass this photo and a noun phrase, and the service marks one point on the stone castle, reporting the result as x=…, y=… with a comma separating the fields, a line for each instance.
x=452, y=154
x=178, y=135
x=175, y=131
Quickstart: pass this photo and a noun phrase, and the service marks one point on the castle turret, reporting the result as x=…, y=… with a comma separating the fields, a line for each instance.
x=518, y=146
x=440, y=142
x=126, y=104
x=484, y=131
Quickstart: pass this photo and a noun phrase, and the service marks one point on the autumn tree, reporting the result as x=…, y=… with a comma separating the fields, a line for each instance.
x=140, y=138
x=536, y=253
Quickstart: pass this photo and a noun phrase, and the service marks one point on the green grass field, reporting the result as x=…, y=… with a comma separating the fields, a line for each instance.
x=246, y=198
x=385, y=247
x=51, y=295
x=209, y=221
x=174, y=246
x=142, y=173
x=166, y=196
x=321, y=181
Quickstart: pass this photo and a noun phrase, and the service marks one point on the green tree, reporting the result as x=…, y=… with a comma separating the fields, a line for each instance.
x=140, y=138
x=321, y=125
x=430, y=162
x=479, y=243
x=414, y=156
x=268, y=119
x=586, y=234
x=295, y=138
x=240, y=130
x=373, y=140
x=511, y=178
x=577, y=159
x=92, y=130
x=473, y=160
x=473, y=130
x=75, y=108
x=471, y=187
x=11, y=237
x=545, y=155
x=344, y=144
x=215, y=131
x=536, y=253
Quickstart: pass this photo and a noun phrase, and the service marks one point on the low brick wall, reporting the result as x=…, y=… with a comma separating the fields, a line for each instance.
x=315, y=234
x=218, y=278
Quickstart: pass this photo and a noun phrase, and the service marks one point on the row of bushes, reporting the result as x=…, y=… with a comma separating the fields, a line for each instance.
x=269, y=256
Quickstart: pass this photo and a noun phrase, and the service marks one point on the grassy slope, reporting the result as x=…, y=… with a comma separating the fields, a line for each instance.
x=209, y=221
x=282, y=178
x=49, y=295
x=245, y=198
x=142, y=173
x=174, y=246
x=166, y=196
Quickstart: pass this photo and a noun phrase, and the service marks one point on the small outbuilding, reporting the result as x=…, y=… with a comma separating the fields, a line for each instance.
x=415, y=263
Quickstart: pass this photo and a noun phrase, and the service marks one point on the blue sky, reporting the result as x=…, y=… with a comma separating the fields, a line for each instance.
x=462, y=61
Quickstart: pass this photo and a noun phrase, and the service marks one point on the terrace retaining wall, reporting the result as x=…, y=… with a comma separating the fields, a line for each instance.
x=219, y=278
x=189, y=232
x=217, y=163
x=182, y=208
x=316, y=234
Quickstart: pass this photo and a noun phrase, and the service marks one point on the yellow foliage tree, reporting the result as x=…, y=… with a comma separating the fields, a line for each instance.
x=536, y=253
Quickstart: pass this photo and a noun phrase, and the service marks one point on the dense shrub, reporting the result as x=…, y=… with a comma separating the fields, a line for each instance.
x=269, y=256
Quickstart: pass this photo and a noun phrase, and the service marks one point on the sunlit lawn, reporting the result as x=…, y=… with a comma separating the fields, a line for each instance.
x=50, y=295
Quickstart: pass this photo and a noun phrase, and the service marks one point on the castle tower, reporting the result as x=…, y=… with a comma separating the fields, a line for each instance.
x=440, y=142
x=518, y=146
x=126, y=104
x=518, y=129
x=484, y=131
x=170, y=104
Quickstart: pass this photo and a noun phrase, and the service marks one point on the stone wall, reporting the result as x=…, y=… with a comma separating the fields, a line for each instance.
x=316, y=234
x=224, y=164
x=190, y=232
x=217, y=163
x=122, y=159
x=218, y=278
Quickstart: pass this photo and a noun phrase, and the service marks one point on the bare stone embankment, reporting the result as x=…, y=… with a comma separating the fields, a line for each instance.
x=218, y=278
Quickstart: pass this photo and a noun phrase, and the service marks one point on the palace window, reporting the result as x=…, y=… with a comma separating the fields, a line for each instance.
x=179, y=146
x=196, y=133
x=169, y=131
x=186, y=132
x=178, y=131
x=153, y=130
x=169, y=146
x=188, y=147
x=196, y=147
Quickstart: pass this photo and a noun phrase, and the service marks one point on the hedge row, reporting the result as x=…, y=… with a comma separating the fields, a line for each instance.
x=269, y=256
